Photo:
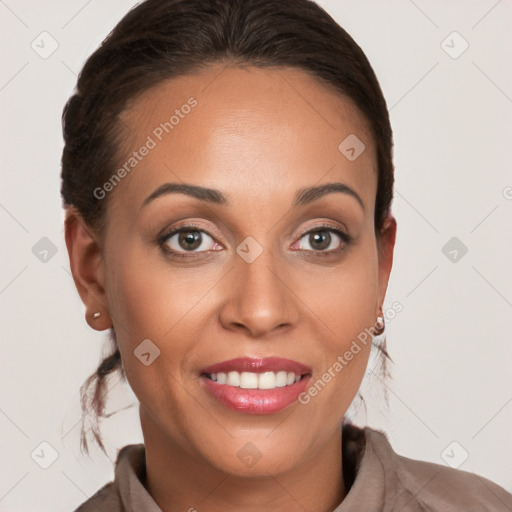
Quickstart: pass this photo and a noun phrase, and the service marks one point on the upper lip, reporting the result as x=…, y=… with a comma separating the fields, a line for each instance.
x=258, y=365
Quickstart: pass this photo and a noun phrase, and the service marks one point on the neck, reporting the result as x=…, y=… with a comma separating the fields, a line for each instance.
x=180, y=481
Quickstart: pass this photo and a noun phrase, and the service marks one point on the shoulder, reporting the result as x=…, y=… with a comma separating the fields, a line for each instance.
x=128, y=467
x=420, y=485
x=107, y=498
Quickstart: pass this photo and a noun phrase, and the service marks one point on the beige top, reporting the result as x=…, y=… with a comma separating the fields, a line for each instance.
x=378, y=479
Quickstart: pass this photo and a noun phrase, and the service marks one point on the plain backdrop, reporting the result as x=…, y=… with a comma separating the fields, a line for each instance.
x=449, y=95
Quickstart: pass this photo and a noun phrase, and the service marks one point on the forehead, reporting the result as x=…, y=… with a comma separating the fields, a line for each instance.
x=240, y=130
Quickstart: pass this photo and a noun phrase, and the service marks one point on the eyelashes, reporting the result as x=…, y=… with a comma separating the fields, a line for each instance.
x=188, y=234
x=187, y=230
x=345, y=239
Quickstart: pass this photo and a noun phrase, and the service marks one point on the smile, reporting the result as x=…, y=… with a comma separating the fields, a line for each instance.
x=256, y=386
x=249, y=380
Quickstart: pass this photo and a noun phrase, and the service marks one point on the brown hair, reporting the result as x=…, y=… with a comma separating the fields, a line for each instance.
x=161, y=39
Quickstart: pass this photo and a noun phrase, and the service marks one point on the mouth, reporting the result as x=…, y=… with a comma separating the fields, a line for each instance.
x=256, y=386
x=250, y=380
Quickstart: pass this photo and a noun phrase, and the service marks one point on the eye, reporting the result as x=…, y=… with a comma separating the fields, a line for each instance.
x=324, y=239
x=187, y=239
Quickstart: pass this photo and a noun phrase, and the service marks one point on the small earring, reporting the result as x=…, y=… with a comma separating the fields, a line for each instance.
x=380, y=325
x=96, y=315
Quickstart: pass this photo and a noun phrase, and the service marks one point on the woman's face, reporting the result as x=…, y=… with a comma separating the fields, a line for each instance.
x=259, y=270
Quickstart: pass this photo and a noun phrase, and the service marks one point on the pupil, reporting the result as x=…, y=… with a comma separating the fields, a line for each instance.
x=322, y=239
x=192, y=238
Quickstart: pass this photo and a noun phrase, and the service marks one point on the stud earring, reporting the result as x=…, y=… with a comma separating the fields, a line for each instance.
x=380, y=325
x=96, y=315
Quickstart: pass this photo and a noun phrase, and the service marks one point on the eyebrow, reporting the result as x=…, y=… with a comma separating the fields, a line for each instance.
x=310, y=194
x=302, y=197
x=202, y=193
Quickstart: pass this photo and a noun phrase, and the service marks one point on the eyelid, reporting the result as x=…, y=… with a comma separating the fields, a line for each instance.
x=324, y=225
x=165, y=234
x=345, y=239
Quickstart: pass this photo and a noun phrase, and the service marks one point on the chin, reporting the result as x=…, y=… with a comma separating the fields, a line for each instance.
x=254, y=456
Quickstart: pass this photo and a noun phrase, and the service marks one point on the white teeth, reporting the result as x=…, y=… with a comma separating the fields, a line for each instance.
x=281, y=379
x=233, y=379
x=267, y=380
x=250, y=380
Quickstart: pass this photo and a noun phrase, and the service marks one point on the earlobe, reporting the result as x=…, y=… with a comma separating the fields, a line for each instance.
x=87, y=265
x=98, y=320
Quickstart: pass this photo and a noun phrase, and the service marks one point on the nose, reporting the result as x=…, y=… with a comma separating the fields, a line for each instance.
x=259, y=300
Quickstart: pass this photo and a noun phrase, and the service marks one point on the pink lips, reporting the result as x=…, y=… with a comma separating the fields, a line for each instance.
x=256, y=401
x=257, y=365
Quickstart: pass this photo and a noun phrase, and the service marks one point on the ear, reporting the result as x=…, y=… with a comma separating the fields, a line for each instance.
x=87, y=267
x=385, y=245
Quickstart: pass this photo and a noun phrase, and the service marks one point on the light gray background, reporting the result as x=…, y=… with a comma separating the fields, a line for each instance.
x=450, y=344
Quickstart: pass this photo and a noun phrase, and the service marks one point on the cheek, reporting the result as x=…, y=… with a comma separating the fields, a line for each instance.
x=147, y=307
x=346, y=305
x=150, y=299
x=345, y=298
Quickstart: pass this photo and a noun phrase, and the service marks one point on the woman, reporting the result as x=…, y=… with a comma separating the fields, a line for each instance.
x=227, y=177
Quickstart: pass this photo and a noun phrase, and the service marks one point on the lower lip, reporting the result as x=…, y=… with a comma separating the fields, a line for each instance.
x=256, y=401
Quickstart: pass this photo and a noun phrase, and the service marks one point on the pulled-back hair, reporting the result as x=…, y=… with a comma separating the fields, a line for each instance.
x=163, y=39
